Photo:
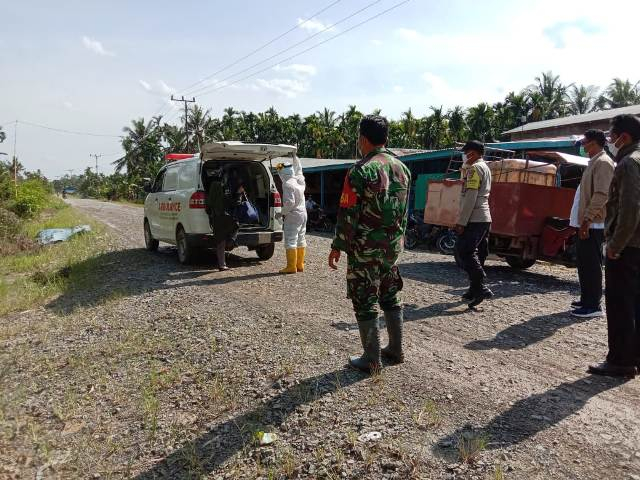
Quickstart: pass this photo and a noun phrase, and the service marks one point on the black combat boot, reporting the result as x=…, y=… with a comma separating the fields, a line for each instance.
x=479, y=291
x=370, y=337
x=468, y=295
x=393, y=351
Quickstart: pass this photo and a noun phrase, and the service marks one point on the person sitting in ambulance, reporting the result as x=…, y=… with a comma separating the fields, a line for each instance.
x=295, y=214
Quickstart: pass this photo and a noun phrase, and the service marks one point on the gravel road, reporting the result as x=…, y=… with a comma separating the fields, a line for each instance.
x=168, y=371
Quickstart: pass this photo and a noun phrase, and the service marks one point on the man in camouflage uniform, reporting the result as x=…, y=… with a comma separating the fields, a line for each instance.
x=371, y=224
x=474, y=221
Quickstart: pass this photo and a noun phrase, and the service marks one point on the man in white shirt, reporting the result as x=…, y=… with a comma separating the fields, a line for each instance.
x=587, y=215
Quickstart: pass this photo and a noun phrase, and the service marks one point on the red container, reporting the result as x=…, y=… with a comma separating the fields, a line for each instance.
x=520, y=209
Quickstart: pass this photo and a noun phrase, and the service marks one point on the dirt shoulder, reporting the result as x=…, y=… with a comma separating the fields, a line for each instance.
x=155, y=370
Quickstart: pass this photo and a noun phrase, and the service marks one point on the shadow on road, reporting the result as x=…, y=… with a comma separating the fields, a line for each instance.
x=526, y=333
x=125, y=273
x=504, y=280
x=213, y=448
x=531, y=415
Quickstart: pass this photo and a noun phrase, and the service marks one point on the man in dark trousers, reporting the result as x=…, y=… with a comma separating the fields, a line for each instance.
x=588, y=215
x=622, y=233
x=474, y=221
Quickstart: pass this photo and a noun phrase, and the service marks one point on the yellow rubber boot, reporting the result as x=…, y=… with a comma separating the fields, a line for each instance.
x=291, y=262
x=300, y=257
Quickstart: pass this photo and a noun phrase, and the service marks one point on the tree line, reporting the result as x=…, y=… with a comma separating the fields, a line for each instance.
x=327, y=134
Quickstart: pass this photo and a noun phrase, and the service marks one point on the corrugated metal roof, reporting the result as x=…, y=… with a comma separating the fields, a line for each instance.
x=575, y=119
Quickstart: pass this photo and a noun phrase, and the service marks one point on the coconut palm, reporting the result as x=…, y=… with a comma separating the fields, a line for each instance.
x=409, y=125
x=479, y=120
x=174, y=138
x=550, y=95
x=582, y=99
x=197, y=120
x=142, y=146
x=620, y=93
x=457, y=124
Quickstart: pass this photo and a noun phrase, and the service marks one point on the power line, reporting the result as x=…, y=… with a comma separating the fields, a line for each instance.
x=163, y=109
x=215, y=89
x=62, y=130
x=261, y=47
x=330, y=27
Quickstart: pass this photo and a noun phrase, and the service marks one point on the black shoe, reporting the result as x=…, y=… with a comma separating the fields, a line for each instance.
x=467, y=296
x=611, y=370
x=576, y=304
x=480, y=297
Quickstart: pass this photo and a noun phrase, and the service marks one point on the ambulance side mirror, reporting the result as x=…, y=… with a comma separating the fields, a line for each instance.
x=146, y=185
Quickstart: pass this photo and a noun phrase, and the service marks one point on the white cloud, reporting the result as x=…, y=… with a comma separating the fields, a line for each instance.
x=376, y=43
x=96, y=47
x=68, y=105
x=398, y=89
x=313, y=25
x=166, y=89
x=287, y=87
x=298, y=69
x=145, y=85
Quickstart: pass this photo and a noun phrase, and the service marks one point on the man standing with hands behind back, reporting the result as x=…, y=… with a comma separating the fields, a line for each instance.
x=371, y=224
x=474, y=221
x=622, y=232
x=587, y=215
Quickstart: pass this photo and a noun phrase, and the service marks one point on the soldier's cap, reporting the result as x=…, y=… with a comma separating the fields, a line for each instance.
x=473, y=146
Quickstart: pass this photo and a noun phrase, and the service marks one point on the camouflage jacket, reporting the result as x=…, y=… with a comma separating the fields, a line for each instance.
x=373, y=208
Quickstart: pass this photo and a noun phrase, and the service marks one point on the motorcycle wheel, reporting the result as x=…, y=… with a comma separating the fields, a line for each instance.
x=411, y=239
x=446, y=243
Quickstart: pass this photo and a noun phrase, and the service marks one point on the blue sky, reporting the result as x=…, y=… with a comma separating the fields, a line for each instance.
x=93, y=66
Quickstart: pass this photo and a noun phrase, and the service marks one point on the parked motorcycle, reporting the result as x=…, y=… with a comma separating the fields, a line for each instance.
x=432, y=236
x=318, y=220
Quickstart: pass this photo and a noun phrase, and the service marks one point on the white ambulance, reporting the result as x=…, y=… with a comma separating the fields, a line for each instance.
x=174, y=210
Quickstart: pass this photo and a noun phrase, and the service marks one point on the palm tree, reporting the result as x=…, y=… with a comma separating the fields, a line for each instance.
x=350, y=122
x=620, y=93
x=327, y=118
x=174, y=138
x=520, y=106
x=479, y=120
x=197, y=120
x=229, y=130
x=143, y=150
x=550, y=95
x=582, y=99
x=457, y=124
x=409, y=126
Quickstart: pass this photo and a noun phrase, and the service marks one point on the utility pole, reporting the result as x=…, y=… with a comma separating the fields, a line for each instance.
x=186, y=111
x=15, y=159
x=96, y=156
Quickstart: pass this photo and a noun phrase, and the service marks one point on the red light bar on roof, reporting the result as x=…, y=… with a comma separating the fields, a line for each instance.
x=172, y=157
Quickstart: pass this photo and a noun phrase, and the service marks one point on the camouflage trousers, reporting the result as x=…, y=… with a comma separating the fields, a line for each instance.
x=371, y=283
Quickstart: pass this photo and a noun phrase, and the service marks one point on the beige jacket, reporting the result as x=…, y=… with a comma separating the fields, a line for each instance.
x=474, y=203
x=594, y=189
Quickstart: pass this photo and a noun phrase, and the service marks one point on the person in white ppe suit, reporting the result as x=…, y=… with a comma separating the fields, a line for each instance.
x=295, y=214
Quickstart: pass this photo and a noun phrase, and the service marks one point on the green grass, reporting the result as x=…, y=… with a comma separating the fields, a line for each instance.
x=30, y=278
